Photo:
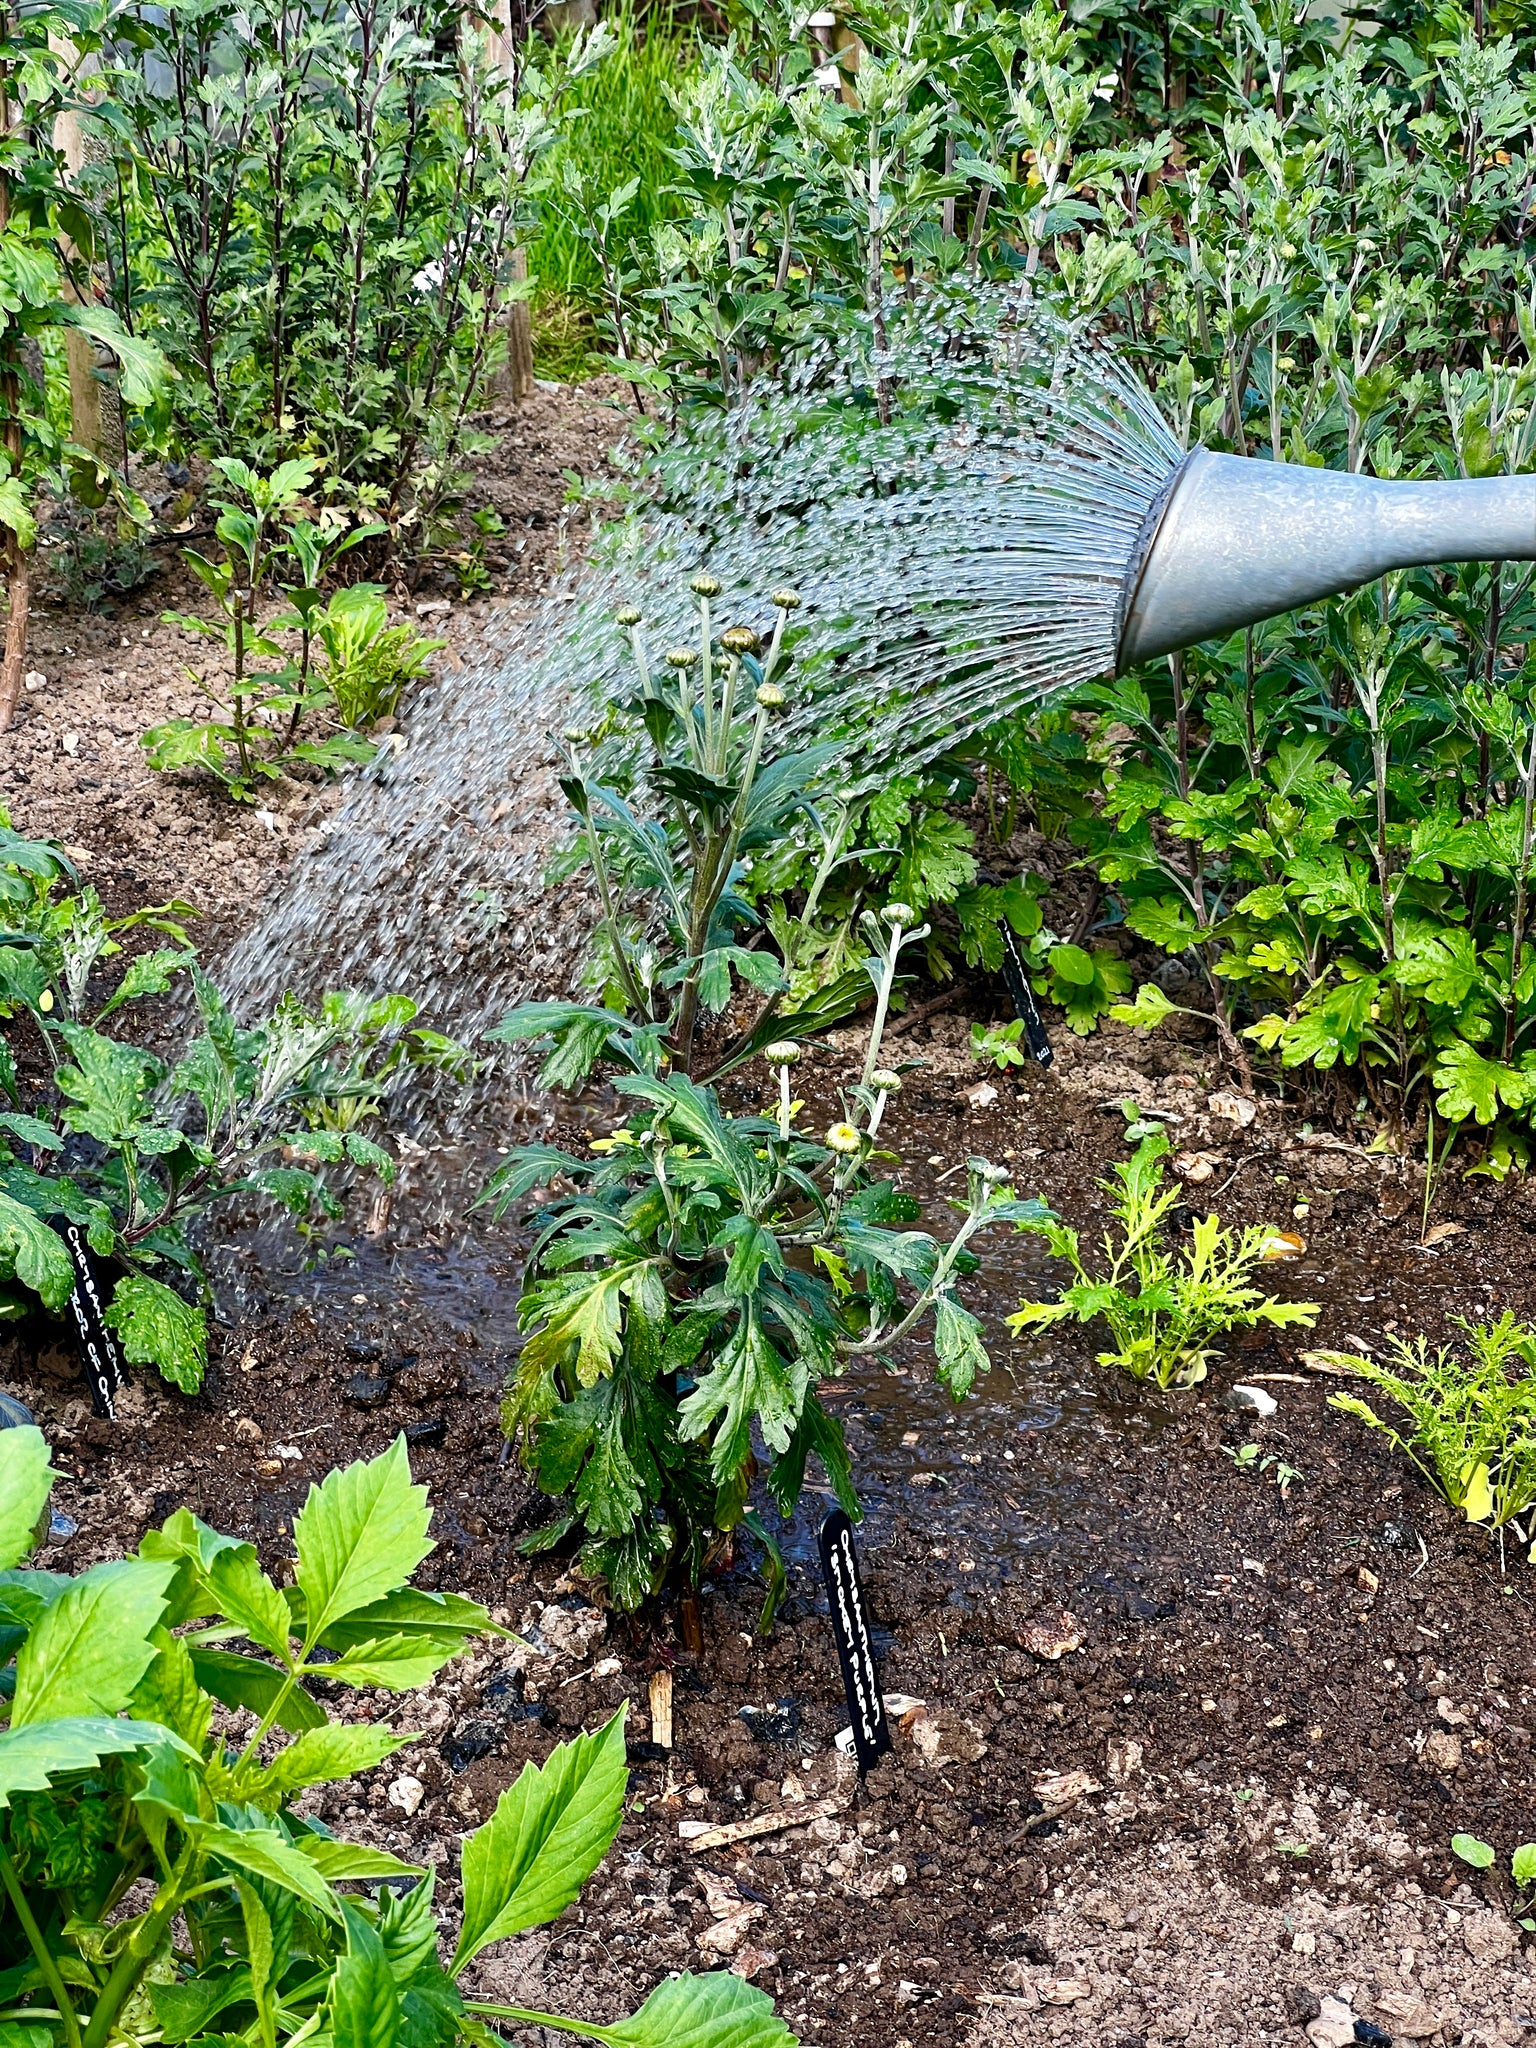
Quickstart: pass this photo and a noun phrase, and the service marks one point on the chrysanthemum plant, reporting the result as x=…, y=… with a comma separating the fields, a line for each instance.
x=699, y=1278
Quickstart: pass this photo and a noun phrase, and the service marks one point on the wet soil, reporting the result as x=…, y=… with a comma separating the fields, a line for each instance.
x=1230, y=1803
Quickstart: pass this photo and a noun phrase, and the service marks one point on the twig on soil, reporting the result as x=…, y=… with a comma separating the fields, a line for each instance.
x=931, y=1008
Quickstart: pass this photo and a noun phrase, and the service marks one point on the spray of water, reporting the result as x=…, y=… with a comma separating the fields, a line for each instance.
x=956, y=566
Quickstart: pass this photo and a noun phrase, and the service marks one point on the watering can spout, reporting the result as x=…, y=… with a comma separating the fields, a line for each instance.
x=1233, y=540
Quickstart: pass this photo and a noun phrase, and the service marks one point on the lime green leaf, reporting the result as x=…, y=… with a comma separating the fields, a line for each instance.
x=1522, y=1864
x=158, y=1328
x=92, y=1645
x=322, y=1754
x=1471, y=1850
x=15, y=512
x=34, y=1253
x=360, y=1534
x=335, y=1860
x=30, y=1757
x=1477, y=1493
x=246, y=1595
x=397, y=1663
x=26, y=1478
x=1150, y=1008
x=365, y=2007
x=718, y=2011
x=548, y=1834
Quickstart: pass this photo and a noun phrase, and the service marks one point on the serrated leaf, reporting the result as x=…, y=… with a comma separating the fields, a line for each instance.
x=26, y=1478
x=264, y=1853
x=246, y=1595
x=360, y=1534
x=718, y=2011
x=30, y=1757
x=397, y=1663
x=1150, y=1008
x=548, y=1834
x=319, y=1755
x=93, y=1644
x=34, y=1253
x=239, y=1681
x=365, y=2007
x=337, y=1860
x=158, y=1328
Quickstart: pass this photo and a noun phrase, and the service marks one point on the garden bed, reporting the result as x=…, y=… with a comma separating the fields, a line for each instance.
x=1286, y=1703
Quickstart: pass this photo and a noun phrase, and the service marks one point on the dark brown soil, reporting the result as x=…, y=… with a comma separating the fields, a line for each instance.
x=1284, y=1701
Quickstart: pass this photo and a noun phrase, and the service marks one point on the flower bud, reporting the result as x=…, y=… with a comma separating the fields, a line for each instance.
x=845, y=1139
x=885, y=1081
x=787, y=600
x=705, y=585
x=900, y=913
x=782, y=1053
x=628, y=615
x=740, y=640
x=680, y=657
x=770, y=697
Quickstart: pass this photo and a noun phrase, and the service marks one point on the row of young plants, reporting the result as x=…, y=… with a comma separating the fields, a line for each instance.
x=1312, y=250
x=699, y=1275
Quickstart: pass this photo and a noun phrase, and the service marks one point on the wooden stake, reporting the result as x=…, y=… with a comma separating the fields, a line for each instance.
x=661, y=1708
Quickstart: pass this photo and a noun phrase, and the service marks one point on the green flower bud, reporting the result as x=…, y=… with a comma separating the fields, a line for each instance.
x=787, y=600
x=705, y=585
x=782, y=1053
x=679, y=657
x=900, y=913
x=845, y=1139
x=770, y=696
x=885, y=1081
x=628, y=615
x=740, y=640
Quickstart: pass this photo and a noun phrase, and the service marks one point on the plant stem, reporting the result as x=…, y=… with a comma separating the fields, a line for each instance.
x=523, y=2018
x=45, y=1962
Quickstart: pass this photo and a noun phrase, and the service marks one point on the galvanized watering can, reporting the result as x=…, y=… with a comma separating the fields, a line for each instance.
x=1232, y=540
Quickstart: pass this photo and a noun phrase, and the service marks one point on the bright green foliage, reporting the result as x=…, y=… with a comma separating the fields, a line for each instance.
x=339, y=665
x=708, y=1271
x=1165, y=1311
x=999, y=1043
x=1471, y=1850
x=1470, y=1422
x=154, y=1822
x=235, y=1115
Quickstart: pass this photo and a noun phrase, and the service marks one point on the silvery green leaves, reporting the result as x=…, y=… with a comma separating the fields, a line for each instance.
x=113, y=1708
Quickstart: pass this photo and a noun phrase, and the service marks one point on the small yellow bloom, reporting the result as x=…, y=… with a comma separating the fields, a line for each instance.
x=845, y=1139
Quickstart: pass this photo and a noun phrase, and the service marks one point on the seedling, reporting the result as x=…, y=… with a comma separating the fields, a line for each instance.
x=1164, y=1314
x=1255, y=1459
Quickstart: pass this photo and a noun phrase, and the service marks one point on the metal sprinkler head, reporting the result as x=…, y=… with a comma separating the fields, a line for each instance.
x=1231, y=540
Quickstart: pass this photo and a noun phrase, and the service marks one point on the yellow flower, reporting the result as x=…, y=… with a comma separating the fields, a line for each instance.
x=845, y=1139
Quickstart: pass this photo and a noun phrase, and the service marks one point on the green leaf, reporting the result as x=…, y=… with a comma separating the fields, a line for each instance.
x=548, y=1834
x=1150, y=1008
x=15, y=512
x=246, y=1595
x=338, y=1750
x=30, y=1757
x=958, y=1347
x=1471, y=1850
x=158, y=1328
x=398, y=1663
x=1471, y=1086
x=365, y=2007
x=184, y=2010
x=264, y=1853
x=337, y=1860
x=34, y=1253
x=360, y=1534
x=718, y=2011
x=239, y=1681
x=26, y=1479
x=91, y=1647
x=1522, y=1864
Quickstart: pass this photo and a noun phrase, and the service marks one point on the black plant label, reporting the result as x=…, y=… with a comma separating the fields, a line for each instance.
x=850, y=1631
x=100, y=1354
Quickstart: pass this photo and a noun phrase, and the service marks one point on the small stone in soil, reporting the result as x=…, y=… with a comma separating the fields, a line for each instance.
x=647, y=1753
x=367, y=1390
x=427, y=1436
x=362, y=1349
